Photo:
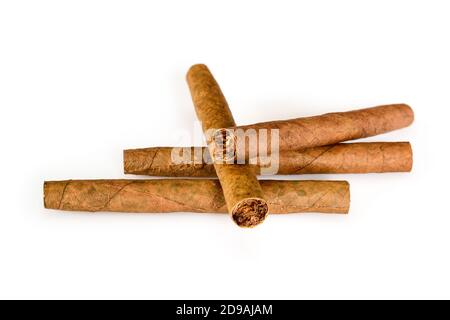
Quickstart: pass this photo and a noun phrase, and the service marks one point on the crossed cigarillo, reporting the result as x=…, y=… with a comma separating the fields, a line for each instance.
x=310, y=145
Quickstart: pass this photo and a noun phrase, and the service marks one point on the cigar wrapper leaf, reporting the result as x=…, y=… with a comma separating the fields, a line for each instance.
x=190, y=195
x=369, y=157
x=322, y=130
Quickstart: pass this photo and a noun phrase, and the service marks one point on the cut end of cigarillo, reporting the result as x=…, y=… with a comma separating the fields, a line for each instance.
x=44, y=194
x=250, y=212
x=50, y=195
x=223, y=145
x=409, y=158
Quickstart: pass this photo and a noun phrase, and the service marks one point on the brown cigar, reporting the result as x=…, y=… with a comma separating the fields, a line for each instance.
x=369, y=157
x=327, y=129
x=194, y=195
x=242, y=191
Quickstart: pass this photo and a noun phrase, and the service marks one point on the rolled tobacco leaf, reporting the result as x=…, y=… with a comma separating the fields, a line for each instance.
x=190, y=195
x=242, y=191
x=369, y=157
x=327, y=129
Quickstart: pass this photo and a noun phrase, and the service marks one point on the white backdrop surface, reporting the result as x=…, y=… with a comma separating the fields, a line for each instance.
x=82, y=80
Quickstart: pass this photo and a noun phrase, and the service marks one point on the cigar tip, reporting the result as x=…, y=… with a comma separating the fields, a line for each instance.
x=44, y=196
x=408, y=106
x=197, y=67
x=409, y=111
x=53, y=193
x=250, y=212
x=125, y=161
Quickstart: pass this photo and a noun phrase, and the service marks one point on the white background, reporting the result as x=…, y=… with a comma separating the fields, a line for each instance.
x=82, y=80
